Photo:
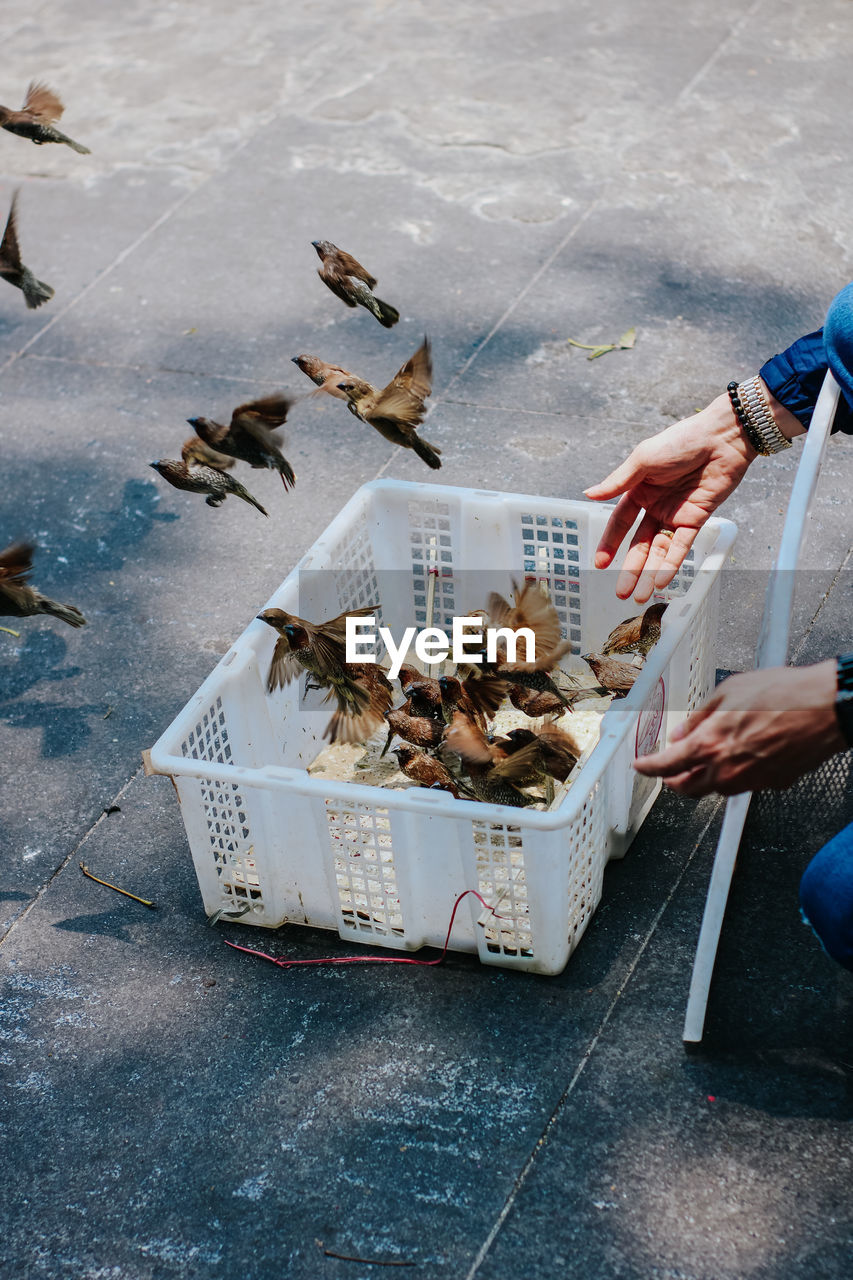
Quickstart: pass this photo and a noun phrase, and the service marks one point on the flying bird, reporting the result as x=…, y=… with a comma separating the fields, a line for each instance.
x=18, y=599
x=35, y=119
x=13, y=270
x=202, y=479
x=249, y=435
x=324, y=376
x=362, y=691
x=398, y=409
x=351, y=282
x=493, y=775
x=195, y=453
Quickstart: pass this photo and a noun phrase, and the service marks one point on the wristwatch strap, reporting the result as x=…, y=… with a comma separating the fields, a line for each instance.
x=844, y=696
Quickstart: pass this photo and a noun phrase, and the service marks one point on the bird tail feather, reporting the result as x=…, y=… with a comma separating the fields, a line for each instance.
x=242, y=492
x=75, y=146
x=427, y=452
x=385, y=313
x=66, y=612
x=35, y=291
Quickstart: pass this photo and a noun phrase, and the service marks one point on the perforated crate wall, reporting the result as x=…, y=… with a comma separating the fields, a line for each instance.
x=431, y=547
x=552, y=556
x=225, y=813
x=499, y=859
x=363, y=862
x=701, y=676
x=586, y=871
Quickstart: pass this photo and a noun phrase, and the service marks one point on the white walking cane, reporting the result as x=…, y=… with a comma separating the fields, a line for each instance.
x=771, y=651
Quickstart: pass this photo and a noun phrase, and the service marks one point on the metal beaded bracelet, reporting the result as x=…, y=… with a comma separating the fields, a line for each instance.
x=757, y=410
x=743, y=418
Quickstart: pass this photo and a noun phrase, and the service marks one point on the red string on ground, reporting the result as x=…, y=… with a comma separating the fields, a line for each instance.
x=291, y=964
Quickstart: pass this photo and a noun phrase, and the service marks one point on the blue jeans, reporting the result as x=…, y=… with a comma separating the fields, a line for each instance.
x=826, y=896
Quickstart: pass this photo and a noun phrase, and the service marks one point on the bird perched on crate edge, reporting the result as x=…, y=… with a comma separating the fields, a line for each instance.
x=350, y=282
x=636, y=635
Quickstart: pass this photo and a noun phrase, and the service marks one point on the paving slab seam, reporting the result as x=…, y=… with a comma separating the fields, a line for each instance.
x=590, y=1049
x=152, y=368
x=118, y=260
x=37, y=897
x=537, y=275
x=731, y=34
x=131, y=248
x=824, y=599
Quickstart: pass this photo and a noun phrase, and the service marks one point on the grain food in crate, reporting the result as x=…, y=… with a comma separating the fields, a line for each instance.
x=383, y=866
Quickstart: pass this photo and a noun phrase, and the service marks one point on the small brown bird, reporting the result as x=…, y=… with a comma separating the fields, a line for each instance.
x=345, y=726
x=195, y=453
x=558, y=751
x=532, y=609
x=324, y=644
x=216, y=484
x=249, y=436
x=13, y=270
x=477, y=698
x=637, y=635
x=320, y=649
x=490, y=772
x=351, y=282
x=34, y=120
x=398, y=409
x=423, y=692
x=18, y=599
x=425, y=770
x=616, y=677
x=324, y=376
x=421, y=730
x=535, y=704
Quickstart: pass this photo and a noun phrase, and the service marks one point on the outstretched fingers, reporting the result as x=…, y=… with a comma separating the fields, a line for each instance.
x=624, y=514
x=648, y=547
x=679, y=546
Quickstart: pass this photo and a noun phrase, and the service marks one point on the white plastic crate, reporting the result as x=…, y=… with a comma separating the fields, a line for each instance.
x=383, y=866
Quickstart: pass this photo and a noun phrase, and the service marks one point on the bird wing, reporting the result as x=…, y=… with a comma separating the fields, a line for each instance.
x=336, y=628
x=467, y=740
x=42, y=103
x=532, y=609
x=10, y=253
x=485, y=694
x=195, y=453
x=338, y=287
x=16, y=561
x=346, y=265
x=270, y=412
x=522, y=767
x=624, y=636
x=416, y=373
x=284, y=666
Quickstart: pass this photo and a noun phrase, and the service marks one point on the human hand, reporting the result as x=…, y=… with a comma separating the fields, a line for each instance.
x=760, y=729
x=678, y=477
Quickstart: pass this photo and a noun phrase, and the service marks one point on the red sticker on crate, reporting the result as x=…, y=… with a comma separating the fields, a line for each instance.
x=650, y=721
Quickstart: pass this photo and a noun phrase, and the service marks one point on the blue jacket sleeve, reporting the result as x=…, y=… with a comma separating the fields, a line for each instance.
x=795, y=377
